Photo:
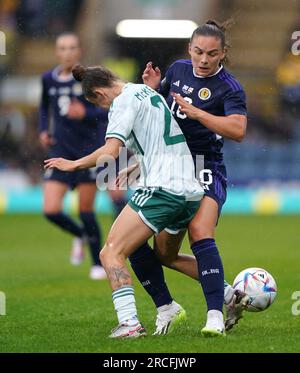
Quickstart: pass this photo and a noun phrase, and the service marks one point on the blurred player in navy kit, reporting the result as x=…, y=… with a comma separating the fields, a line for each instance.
x=209, y=105
x=71, y=127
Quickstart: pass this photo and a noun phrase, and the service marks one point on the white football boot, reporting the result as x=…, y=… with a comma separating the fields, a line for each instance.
x=214, y=325
x=169, y=318
x=128, y=330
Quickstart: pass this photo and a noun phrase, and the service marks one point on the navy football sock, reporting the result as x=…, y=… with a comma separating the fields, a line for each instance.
x=93, y=233
x=211, y=273
x=65, y=223
x=149, y=272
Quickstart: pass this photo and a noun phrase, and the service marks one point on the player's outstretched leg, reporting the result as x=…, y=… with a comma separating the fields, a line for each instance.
x=211, y=277
x=129, y=325
x=149, y=271
x=210, y=267
x=126, y=234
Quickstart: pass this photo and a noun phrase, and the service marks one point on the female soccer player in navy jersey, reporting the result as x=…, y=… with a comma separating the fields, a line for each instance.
x=71, y=127
x=209, y=105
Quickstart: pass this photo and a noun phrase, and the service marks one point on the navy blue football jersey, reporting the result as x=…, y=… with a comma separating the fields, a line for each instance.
x=73, y=138
x=220, y=94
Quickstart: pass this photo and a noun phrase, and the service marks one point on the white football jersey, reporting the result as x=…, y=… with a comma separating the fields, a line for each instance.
x=140, y=117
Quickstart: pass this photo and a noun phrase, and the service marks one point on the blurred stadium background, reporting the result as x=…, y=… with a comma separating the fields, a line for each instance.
x=263, y=171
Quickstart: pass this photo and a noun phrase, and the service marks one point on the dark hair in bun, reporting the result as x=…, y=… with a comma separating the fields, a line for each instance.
x=93, y=77
x=78, y=72
x=216, y=24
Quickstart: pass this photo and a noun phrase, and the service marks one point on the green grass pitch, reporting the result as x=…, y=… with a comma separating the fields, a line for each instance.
x=54, y=307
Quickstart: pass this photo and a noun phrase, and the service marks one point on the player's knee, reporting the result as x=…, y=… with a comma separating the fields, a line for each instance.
x=52, y=205
x=199, y=232
x=105, y=256
x=102, y=256
x=111, y=252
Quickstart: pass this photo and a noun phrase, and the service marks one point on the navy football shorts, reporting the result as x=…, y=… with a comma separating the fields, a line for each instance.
x=213, y=179
x=72, y=179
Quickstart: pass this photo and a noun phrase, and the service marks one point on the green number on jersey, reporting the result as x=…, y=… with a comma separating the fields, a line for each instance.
x=169, y=140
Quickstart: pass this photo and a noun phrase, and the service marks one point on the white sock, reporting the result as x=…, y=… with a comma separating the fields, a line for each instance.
x=124, y=303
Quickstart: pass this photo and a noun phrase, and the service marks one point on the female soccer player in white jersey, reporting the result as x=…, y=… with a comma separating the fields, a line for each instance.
x=209, y=104
x=168, y=194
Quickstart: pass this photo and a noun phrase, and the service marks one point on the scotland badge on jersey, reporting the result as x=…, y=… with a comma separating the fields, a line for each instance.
x=204, y=94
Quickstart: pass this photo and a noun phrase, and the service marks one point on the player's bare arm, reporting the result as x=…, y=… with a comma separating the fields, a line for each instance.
x=232, y=126
x=110, y=149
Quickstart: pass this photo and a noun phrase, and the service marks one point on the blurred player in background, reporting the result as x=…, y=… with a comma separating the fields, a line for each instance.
x=209, y=105
x=71, y=127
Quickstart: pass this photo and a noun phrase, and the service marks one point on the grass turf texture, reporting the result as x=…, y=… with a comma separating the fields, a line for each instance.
x=54, y=307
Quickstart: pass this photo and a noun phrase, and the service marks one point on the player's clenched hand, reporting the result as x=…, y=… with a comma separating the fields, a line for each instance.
x=191, y=111
x=151, y=77
x=61, y=164
x=124, y=174
x=122, y=178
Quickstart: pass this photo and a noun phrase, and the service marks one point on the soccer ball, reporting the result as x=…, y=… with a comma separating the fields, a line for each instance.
x=259, y=285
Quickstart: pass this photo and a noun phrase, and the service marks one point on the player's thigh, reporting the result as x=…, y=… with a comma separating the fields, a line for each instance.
x=167, y=245
x=54, y=192
x=87, y=193
x=127, y=233
x=204, y=222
